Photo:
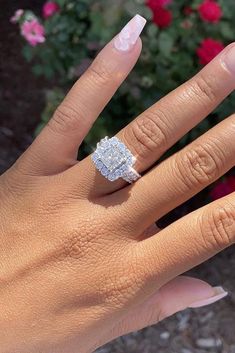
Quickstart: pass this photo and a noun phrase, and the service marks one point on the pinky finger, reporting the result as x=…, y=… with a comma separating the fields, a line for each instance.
x=189, y=241
x=178, y=294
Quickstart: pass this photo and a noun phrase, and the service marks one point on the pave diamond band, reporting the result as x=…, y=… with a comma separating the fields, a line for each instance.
x=114, y=160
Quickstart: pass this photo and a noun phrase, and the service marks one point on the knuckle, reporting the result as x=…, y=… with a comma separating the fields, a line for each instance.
x=99, y=72
x=65, y=119
x=148, y=133
x=204, y=87
x=218, y=226
x=199, y=165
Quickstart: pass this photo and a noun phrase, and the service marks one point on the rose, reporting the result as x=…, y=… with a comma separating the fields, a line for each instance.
x=33, y=32
x=223, y=188
x=210, y=11
x=208, y=49
x=154, y=4
x=50, y=8
x=162, y=17
x=188, y=10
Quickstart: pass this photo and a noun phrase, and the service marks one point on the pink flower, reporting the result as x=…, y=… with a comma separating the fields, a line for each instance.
x=208, y=49
x=223, y=188
x=33, y=32
x=210, y=11
x=50, y=8
x=154, y=4
x=17, y=16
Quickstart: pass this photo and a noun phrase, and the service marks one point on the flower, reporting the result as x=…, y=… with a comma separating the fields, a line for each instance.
x=223, y=188
x=162, y=17
x=210, y=11
x=188, y=10
x=208, y=49
x=50, y=8
x=17, y=15
x=155, y=4
x=33, y=32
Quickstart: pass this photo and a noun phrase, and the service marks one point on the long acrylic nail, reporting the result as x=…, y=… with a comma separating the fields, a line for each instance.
x=219, y=293
x=128, y=36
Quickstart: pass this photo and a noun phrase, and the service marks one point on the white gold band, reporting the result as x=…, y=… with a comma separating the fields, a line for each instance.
x=131, y=175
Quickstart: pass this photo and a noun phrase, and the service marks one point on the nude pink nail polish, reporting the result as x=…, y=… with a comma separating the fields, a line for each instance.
x=219, y=293
x=129, y=35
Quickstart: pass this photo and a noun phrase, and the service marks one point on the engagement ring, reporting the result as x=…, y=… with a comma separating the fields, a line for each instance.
x=114, y=160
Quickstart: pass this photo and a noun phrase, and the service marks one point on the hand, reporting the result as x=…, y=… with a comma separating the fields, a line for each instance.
x=81, y=261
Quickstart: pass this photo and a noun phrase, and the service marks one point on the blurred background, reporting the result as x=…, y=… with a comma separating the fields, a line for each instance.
x=46, y=46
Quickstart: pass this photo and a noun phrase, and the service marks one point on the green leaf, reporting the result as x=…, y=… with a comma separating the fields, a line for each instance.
x=27, y=52
x=152, y=30
x=38, y=70
x=227, y=30
x=165, y=44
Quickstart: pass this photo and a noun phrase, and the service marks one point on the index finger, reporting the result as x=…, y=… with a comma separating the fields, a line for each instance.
x=55, y=149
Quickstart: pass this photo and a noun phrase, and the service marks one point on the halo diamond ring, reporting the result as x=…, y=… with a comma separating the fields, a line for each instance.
x=114, y=160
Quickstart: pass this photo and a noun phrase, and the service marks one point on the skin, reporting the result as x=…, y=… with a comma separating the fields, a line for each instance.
x=81, y=262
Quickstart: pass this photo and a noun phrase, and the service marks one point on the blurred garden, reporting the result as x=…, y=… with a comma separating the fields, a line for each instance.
x=45, y=48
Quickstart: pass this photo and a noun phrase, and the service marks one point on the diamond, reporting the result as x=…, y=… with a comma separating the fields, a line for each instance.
x=113, y=159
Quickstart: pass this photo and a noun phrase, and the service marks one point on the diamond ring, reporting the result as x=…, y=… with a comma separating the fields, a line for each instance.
x=114, y=160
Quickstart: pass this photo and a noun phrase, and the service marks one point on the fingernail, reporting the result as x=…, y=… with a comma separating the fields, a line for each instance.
x=219, y=293
x=128, y=36
x=229, y=59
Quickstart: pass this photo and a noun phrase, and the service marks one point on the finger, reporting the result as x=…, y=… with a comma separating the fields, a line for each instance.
x=159, y=127
x=187, y=242
x=180, y=293
x=181, y=176
x=56, y=147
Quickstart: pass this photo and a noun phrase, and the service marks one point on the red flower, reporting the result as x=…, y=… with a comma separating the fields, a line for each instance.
x=208, y=49
x=162, y=17
x=187, y=10
x=210, y=11
x=155, y=4
x=223, y=188
x=50, y=8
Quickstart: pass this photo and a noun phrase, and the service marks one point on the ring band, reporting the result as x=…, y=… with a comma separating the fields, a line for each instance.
x=114, y=160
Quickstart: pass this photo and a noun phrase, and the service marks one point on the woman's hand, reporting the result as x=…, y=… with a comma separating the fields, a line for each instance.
x=81, y=262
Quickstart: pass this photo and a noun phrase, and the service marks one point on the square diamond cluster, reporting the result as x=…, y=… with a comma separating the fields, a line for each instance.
x=112, y=158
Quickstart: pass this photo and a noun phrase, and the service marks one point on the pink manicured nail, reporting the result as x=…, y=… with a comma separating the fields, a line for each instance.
x=229, y=59
x=219, y=293
x=128, y=36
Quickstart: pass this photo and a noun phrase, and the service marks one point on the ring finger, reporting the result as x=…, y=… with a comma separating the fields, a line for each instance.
x=163, y=124
x=181, y=176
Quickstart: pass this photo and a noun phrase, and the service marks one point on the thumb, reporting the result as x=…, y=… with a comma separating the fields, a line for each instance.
x=178, y=294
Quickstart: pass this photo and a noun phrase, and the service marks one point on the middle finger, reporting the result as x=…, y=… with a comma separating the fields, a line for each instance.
x=163, y=124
